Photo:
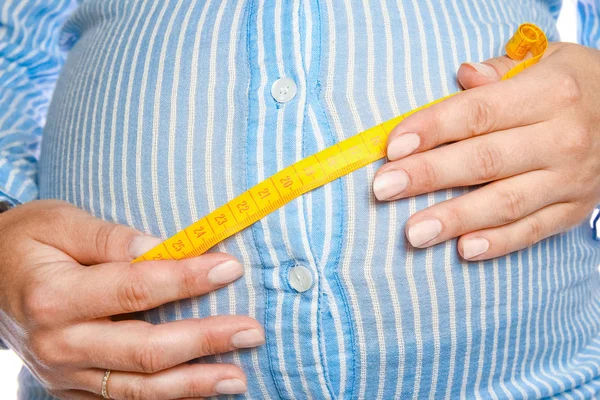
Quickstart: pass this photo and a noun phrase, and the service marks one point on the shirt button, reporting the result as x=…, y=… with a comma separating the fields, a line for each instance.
x=300, y=279
x=284, y=90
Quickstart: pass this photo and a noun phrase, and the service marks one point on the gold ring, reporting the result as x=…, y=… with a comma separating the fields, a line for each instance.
x=105, y=384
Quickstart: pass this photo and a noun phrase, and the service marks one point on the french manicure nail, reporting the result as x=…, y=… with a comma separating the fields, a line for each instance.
x=424, y=231
x=484, y=69
x=248, y=338
x=475, y=247
x=231, y=386
x=403, y=146
x=226, y=272
x=142, y=244
x=390, y=184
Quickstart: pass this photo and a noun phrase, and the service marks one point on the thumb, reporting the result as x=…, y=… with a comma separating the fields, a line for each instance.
x=86, y=239
x=472, y=75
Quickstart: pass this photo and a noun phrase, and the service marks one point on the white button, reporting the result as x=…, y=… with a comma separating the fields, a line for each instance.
x=300, y=279
x=284, y=89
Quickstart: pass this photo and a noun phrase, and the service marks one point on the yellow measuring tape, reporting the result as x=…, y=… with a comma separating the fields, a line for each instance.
x=314, y=171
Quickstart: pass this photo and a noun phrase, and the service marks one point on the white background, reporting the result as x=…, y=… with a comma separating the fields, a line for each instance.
x=10, y=363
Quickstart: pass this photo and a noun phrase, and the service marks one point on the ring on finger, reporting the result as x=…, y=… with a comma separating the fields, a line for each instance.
x=105, y=384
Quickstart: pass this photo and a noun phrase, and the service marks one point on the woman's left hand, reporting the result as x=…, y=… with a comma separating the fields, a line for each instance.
x=534, y=139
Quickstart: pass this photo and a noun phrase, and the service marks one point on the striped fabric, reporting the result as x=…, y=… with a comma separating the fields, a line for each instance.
x=163, y=111
x=589, y=26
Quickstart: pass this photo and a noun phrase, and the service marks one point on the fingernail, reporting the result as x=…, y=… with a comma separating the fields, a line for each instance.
x=424, y=231
x=475, y=247
x=390, y=184
x=248, y=338
x=484, y=69
x=403, y=145
x=225, y=272
x=231, y=386
x=139, y=245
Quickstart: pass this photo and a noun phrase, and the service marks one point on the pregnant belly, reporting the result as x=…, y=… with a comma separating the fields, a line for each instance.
x=137, y=136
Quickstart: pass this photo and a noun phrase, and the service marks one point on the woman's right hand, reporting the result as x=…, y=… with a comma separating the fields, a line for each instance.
x=64, y=275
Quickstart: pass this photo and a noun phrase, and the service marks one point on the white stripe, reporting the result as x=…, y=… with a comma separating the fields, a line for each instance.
x=160, y=76
x=75, y=108
x=210, y=120
x=191, y=131
x=88, y=150
x=125, y=148
x=391, y=243
x=113, y=129
x=483, y=328
x=140, y=125
x=139, y=130
x=325, y=257
x=173, y=112
x=412, y=207
x=372, y=229
x=308, y=44
x=97, y=176
x=431, y=196
x=229, y=132
x=348, y=251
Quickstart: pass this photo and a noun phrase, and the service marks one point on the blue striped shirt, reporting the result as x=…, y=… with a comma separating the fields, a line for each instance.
x=163, y=111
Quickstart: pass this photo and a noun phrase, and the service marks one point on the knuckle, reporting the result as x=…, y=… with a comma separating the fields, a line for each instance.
x=487, y=162
x=426, y=175
x=479, y=116
x=512, y=206
x=195, y=388
x=147, y=358
x=433, y=124
x=39, y=305
x=580, y=143
x=189, y=283
x=459, y=219
x=136, y=390
x=209, y=344
x=568, y=89
x=104, y=238
x=534, y=231
x=59, y=212
x=134, y=293
x=47, y=351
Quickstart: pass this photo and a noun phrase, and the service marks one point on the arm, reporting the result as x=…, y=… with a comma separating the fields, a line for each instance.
x=30, y=61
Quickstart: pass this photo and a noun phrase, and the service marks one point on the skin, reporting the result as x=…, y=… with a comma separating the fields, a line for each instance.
x=533, y=140
x=66, y=289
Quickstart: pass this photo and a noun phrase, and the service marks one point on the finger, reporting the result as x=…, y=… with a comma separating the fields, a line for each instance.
x=88, y=240
x=120, y=288
x=496, y=242
x=183, y=381
x=139, y=346
x=537, y=94
x=469, y=162
x=471, y=75
x=496, y=204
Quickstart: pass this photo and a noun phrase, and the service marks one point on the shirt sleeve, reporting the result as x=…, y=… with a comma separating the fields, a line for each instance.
x=30, y=61
x=589, y=23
